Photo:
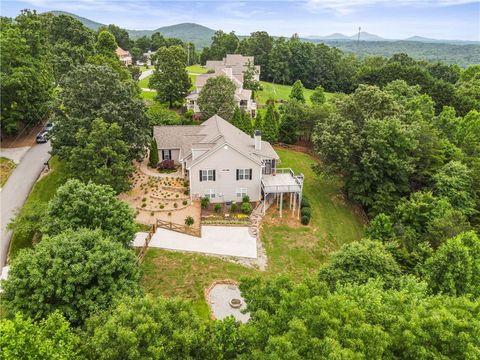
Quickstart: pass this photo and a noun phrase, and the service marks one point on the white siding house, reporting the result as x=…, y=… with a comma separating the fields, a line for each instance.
x=225, y=164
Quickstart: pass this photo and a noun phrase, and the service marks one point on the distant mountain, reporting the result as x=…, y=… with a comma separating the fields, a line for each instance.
x=87, y=22
x=364, y=36
x=437, y=41
x=199, y=35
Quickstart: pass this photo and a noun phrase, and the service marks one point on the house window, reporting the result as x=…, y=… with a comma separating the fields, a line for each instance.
x=244, y=174
x=166, y=154
x=241, y=192
x=210, y=193
x=207, y=175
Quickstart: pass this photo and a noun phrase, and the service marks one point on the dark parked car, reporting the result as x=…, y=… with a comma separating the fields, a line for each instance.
x=42, y=137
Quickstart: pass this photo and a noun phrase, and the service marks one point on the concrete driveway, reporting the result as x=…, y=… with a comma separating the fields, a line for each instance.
x=219, y=240
x=17, y=188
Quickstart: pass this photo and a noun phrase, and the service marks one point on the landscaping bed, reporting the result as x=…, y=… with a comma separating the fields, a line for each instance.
x=6, y=168
x=166, y=198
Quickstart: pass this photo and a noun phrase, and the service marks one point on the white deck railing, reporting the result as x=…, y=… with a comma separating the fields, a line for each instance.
x=293, y=184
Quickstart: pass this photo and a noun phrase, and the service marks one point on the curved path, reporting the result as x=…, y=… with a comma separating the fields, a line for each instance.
x=16, y=189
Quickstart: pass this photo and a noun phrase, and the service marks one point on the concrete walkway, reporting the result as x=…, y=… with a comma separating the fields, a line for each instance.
x=17, y=188
x=218, y=240
x=145, y=74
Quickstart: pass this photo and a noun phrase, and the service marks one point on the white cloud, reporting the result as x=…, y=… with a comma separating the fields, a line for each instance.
x=343, y=7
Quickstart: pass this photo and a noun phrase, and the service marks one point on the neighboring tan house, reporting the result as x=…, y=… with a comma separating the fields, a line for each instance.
x=124, y=56
x=232, y=66
x=224, y=164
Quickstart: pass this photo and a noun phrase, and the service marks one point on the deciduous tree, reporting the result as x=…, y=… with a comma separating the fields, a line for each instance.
x=78, y=205
x=170, y=77
x=454, y=269
x=217, y=97
x=141, y=328
x=76, y=273
x=90, y=92
x=101, y=156
x=51, y=338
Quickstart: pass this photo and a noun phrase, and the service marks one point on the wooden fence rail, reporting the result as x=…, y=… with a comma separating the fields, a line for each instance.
x=178, y=228
x=144, y=248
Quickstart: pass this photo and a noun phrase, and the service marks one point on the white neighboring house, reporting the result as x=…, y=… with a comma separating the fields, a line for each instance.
x=224, y=164
x=232, y=66
x=124, y=56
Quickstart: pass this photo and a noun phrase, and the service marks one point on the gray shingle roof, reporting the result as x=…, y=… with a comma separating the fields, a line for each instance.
x=213, y=132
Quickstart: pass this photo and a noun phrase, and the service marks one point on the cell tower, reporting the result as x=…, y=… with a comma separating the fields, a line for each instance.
x=358, y=38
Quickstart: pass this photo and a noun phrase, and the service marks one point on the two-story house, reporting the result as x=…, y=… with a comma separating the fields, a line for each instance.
x=225, y=164
x=232, y=66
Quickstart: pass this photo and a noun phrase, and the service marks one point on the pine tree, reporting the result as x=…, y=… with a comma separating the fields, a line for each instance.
x=153, y=161
x=237, y=118
x=297, y=92
x=246, y=125
x=258, y=124
x=270, y=124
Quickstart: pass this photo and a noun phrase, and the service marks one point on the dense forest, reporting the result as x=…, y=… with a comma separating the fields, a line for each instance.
x=462, y=55
x=403, y=135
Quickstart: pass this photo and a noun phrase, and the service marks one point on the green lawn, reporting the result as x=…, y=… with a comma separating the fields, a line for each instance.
x=196, y=69
x=280, y=92
x=144, y=82
x=148, y=95
x=41, y=193
x=291, y=247
x=6, y=168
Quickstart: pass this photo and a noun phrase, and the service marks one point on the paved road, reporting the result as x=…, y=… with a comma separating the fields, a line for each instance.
x=17, y=188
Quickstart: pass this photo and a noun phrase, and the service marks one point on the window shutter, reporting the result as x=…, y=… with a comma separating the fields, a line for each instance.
x=238, y=174
x=170, y=154
x=250, y=174
x=163, y=155
x=200, y=172
x=214, y=171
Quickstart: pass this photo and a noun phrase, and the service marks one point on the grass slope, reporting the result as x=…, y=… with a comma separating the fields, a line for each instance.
x=291, y=247
x=41, y=193
x=6, y=168
x=280, y=92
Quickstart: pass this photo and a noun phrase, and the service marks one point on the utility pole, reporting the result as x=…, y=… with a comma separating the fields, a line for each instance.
x=188, y=54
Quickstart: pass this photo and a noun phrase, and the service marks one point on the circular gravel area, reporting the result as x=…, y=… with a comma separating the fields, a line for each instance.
x=219, y=299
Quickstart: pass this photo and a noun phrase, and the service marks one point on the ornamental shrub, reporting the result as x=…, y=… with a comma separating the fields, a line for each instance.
x=247, y=208
x=305, y=220
x=306, y=211
x=204, y=202
x=217, y=207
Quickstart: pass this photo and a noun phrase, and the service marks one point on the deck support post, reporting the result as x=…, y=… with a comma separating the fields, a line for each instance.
x=281, y=203
x=299, y=203
x=294, y=200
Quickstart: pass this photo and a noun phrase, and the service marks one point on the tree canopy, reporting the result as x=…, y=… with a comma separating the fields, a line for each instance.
x=75, y=272
x=90, y=92
x=217, y=97
x=77, y=205
x=170, y=77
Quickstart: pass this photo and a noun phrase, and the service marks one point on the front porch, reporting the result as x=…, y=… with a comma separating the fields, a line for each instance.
x=283, y=181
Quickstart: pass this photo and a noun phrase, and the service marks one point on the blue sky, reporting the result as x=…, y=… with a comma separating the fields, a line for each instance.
x=445, y=19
